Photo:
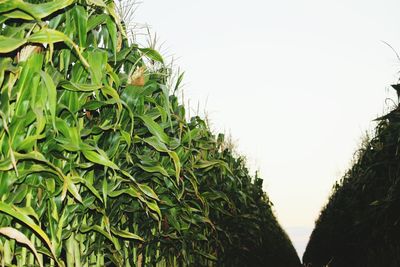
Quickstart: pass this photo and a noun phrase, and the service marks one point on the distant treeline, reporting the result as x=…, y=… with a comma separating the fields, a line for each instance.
x=360, y=225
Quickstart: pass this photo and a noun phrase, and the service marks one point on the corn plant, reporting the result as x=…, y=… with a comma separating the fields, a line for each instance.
x=98, y=163
x=360, y=224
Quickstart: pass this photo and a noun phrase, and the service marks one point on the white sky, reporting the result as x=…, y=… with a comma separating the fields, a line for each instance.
x=296, y=82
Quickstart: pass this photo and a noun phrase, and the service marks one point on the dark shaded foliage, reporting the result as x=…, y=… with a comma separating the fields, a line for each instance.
x=360, y=224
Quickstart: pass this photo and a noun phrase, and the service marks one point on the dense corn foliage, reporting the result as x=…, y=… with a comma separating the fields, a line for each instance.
x=360, y=224
x=99, y=165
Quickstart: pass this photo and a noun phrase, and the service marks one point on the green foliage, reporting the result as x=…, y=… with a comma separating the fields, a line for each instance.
x=98, y=164
x=360, y=224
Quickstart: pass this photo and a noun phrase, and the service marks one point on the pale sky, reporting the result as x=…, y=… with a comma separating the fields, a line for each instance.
x=297, y=83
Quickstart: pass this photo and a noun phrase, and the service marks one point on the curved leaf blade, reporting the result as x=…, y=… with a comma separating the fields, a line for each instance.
x=8, y=44
x=20, y=238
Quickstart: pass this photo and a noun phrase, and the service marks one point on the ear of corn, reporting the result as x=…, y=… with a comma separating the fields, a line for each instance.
x=98, y=164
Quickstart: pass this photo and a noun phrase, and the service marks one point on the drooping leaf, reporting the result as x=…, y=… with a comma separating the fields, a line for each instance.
x=72, y=86
x=148, y=191
x=152, y=205
x=38, y=11
x=155, y=128
x=152, y=54
x=99, y=157
x=6, y=208
x=8, y=44
x=50, y=36
x=154, y=168
x=20, y=238
x=126, y=234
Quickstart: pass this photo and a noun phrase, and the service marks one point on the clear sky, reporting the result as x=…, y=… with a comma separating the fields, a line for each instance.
x=297, y=83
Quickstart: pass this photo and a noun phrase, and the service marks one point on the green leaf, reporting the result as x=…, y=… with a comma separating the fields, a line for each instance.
x=36, y=168
x=38, y=11
x=85, y=229
x=207, y=255
x=127, y=137
x=96, y=20
x=81, y=20
x=126, y=234
x=177, y=164
x=152, y=54
x=179, y=81
x=109, y=91
x=161, y=147
x=155, y=129
x=156, y=168
x=51, y=95
x=33, y=155
x=93, y=105
x=152, y=205
x=89, y=186
x=72, y=188
x=148, y=191
x=12, y=211
x=78, y=87
x=20, y=238
x=111, y=9
x=97, y=62
x=29, y=142
x=16, y=14
x=8, y=44
x=129, y=191
x=29, y=75
x=105, y=190
x=99, y=157
x=50, y=36
x=156, y=143
x=206, y=164
x=112, y=29
x=6, y=165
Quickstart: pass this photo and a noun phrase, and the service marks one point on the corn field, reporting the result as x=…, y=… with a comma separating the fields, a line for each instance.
x=99, y=165
x=360, y=224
